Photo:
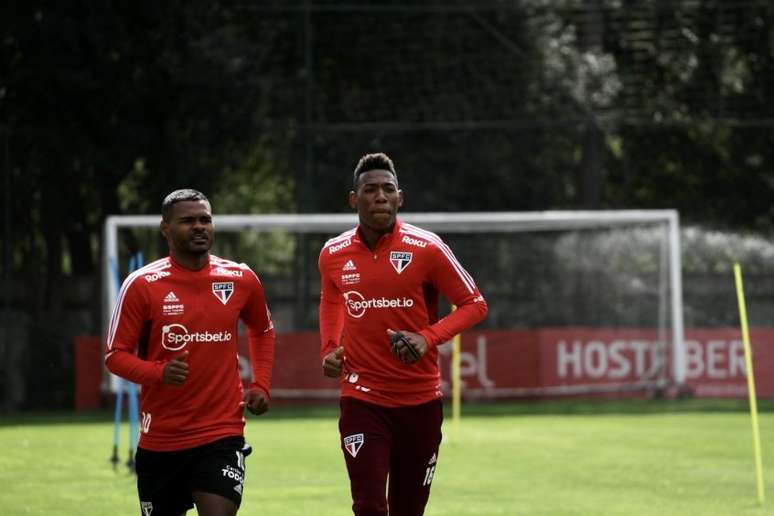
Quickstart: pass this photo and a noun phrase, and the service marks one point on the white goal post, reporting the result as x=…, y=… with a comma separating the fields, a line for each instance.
x=445, y=223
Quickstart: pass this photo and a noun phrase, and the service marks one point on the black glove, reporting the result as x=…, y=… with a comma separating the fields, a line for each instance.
x=397, y=339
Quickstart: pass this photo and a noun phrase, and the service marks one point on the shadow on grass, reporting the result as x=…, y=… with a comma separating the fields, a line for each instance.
x=568, y=407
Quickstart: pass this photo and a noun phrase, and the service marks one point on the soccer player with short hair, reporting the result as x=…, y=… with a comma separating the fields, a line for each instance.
x=174, y=331
x=379, y=331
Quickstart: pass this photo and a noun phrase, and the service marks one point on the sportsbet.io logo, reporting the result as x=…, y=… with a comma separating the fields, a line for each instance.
x=357, y=304
x=175, y=337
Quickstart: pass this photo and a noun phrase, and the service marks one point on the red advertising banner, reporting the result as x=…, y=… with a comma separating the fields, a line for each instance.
x=715, y=362
x=568, y=361
x=563, y=361
x=529, y=363
x=297, y=367
x=87, y=355
x=579, y=360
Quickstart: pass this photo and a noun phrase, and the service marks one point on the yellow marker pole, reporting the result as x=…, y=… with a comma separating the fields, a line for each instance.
x=456, y=385
x=750, y=383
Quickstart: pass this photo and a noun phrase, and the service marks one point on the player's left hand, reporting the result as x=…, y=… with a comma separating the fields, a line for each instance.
x=415, y=340
x=256, y=401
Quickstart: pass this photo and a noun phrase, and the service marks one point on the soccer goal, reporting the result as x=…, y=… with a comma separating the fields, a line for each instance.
x=580, y=302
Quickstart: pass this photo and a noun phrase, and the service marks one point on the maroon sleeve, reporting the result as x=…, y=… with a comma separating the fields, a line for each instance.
x=260, y=335
x=454, y=282
x=331, y=313
x=130, y=314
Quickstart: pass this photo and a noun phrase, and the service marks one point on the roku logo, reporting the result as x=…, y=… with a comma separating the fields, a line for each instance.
x=338, y=247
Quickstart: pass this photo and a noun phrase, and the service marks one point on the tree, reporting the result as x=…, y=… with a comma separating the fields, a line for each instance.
x=98, y=100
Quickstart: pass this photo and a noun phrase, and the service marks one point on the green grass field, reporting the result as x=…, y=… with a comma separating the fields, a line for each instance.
x=627, y=458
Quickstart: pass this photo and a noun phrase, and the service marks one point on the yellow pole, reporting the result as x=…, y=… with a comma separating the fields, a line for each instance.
x=456, y=385
x=750, y=383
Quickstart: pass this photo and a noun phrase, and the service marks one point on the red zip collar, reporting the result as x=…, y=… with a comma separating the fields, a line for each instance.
x=385, y=239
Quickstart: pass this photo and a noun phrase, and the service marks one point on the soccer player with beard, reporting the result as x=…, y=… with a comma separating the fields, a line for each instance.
x=379, y=331
x=174, y=331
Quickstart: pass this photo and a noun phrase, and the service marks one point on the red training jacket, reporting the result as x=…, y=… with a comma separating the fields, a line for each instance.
x=163, y=310
x=396, y=286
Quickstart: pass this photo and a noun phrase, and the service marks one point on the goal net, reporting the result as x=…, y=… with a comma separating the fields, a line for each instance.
x=580, y=303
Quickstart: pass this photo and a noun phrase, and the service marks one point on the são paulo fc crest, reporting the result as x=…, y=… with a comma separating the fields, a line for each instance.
x=400, y=260
x=223, y=290
x=353, y=443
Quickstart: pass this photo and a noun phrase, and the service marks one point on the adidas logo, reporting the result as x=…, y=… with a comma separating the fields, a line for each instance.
x=238, y=488
x=349, y=266
x=171, y=298
x=433, y=460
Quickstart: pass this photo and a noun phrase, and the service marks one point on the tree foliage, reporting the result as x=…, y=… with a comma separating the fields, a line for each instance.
x=492, y=105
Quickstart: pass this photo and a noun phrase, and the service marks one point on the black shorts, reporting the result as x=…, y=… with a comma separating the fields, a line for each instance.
x=166, y=480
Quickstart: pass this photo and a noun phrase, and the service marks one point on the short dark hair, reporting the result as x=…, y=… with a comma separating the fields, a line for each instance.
x=376, y=161
x=185, y=194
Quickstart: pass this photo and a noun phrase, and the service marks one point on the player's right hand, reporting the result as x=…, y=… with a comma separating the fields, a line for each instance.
x=176, y=370
x=333, y=362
